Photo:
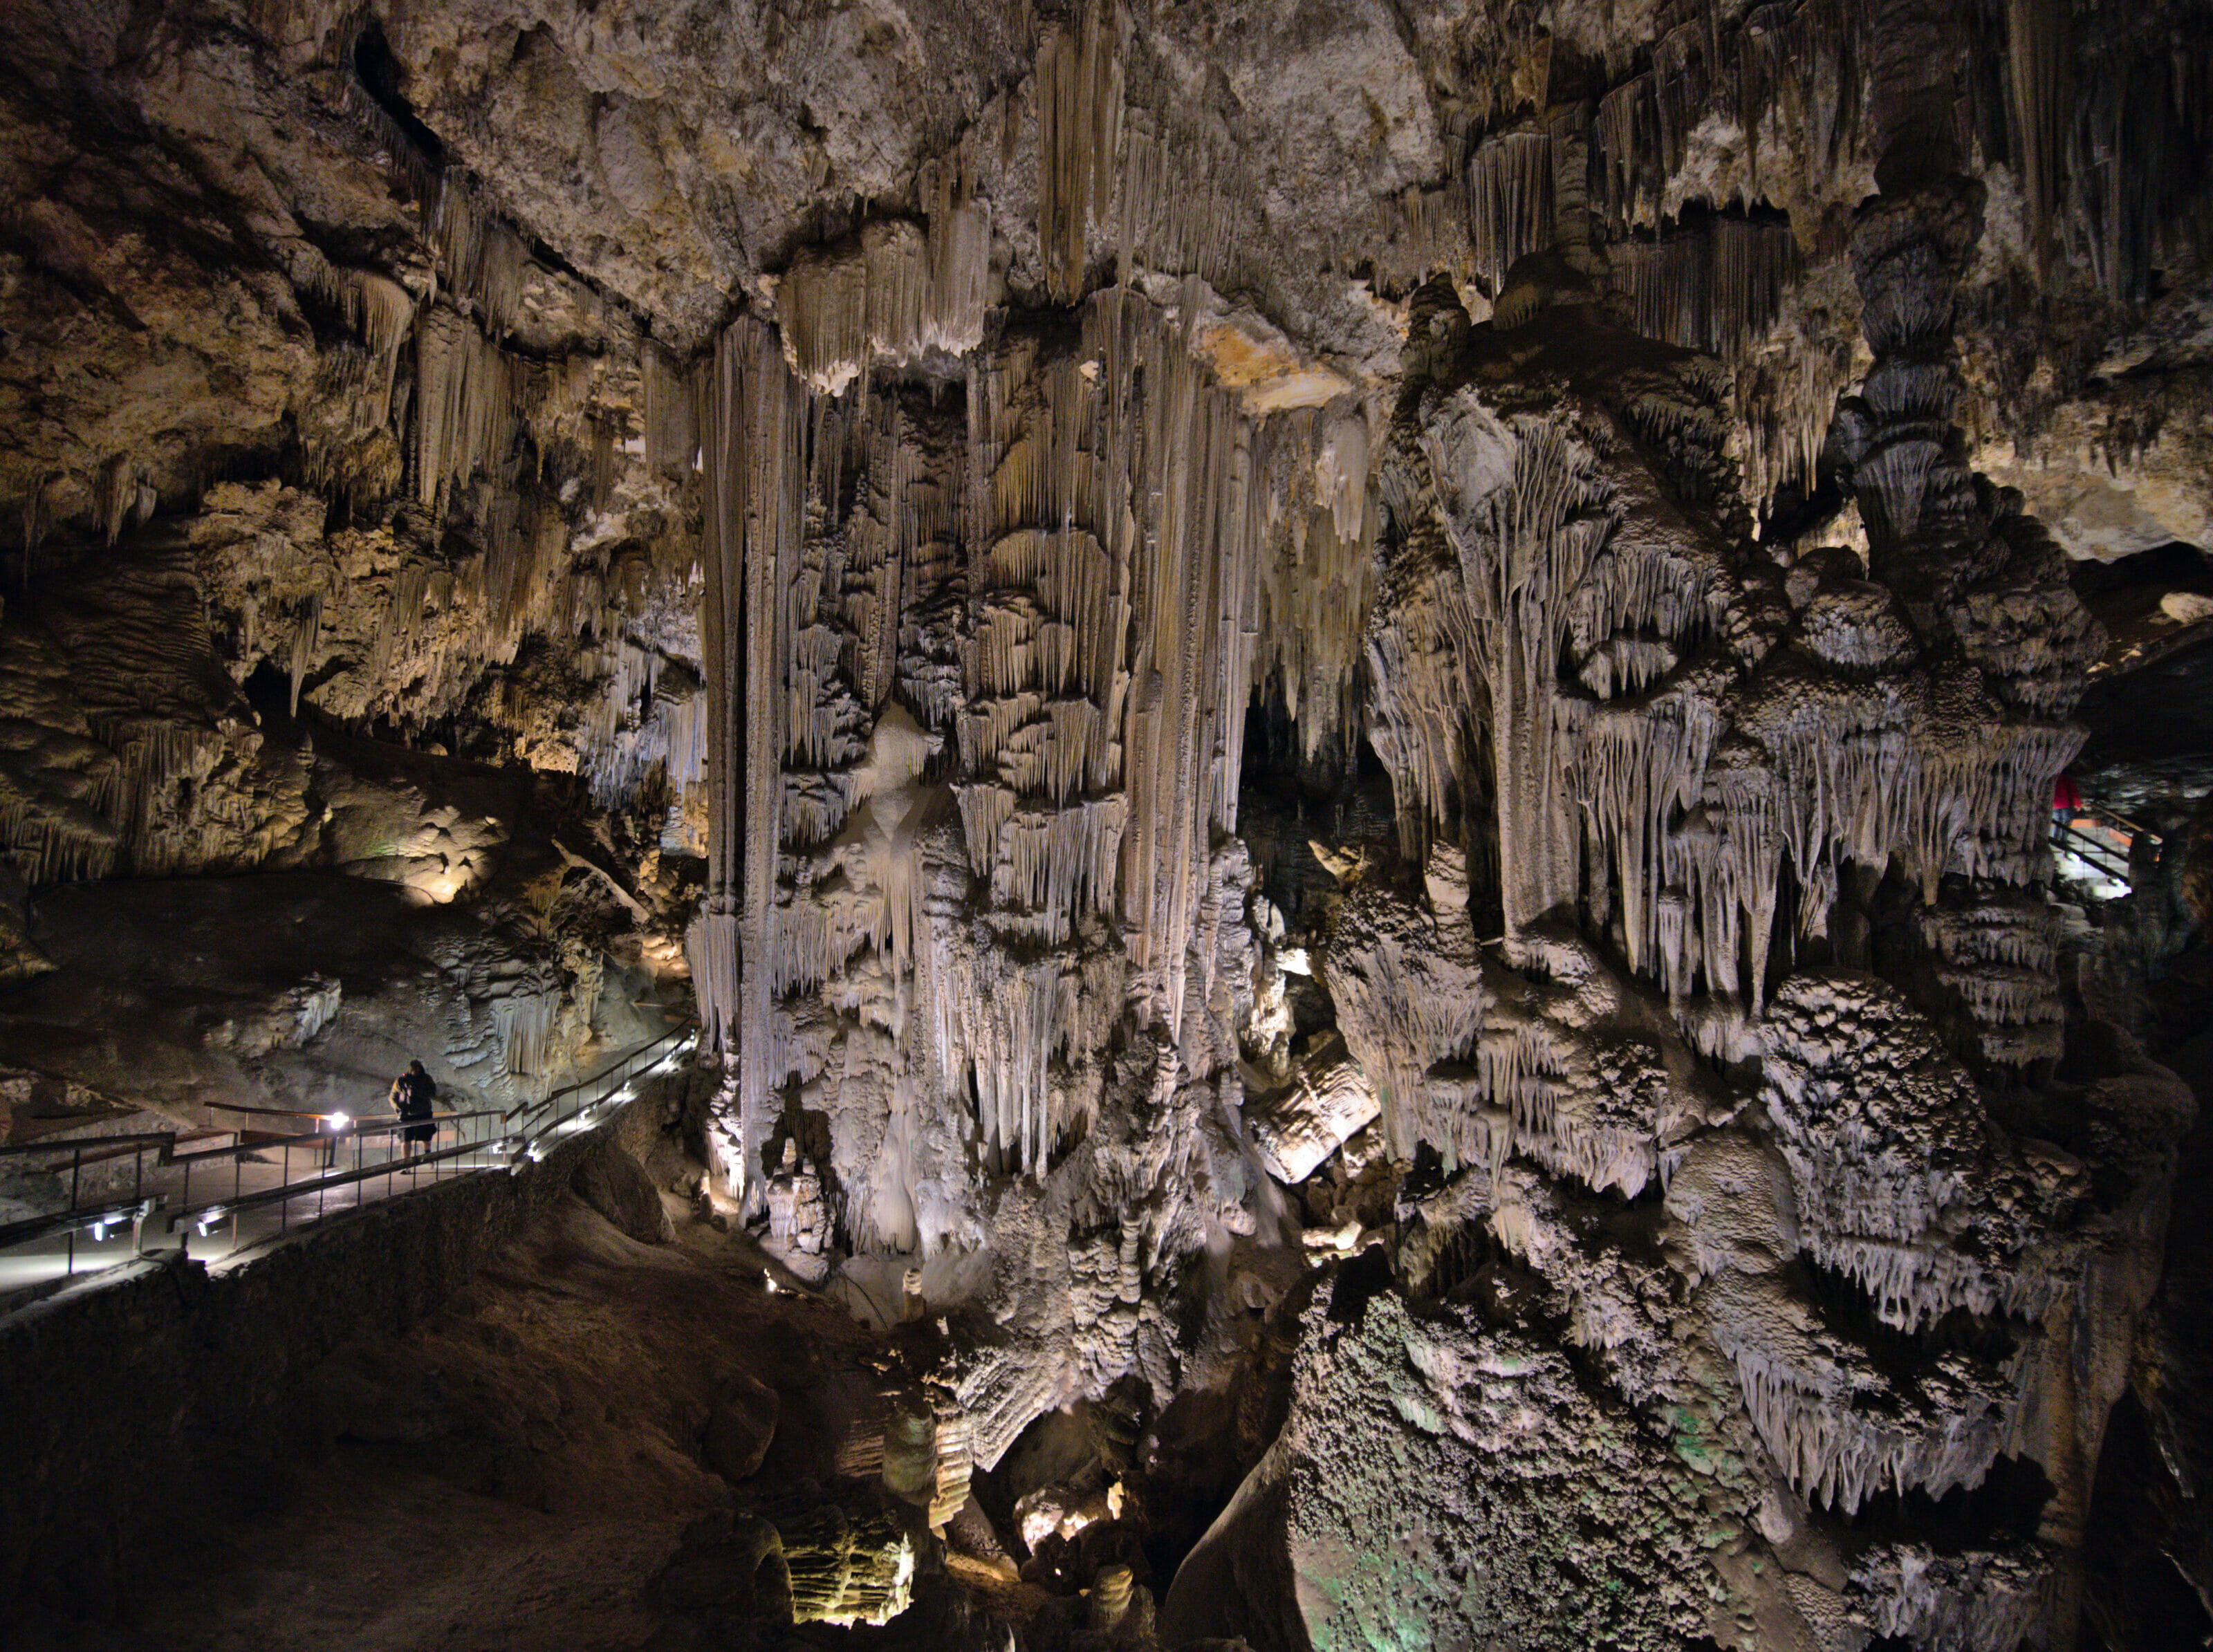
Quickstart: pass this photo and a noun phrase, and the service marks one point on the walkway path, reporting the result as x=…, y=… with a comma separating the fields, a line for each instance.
x=223, y=1194
x=2095, y=849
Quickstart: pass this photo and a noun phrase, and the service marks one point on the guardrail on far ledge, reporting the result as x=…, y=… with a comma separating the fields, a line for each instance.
x=284, y=1175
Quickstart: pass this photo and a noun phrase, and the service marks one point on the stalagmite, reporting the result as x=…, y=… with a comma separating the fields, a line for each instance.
x=1600, y=1115
x=1328, y=1101
x=846, y=1571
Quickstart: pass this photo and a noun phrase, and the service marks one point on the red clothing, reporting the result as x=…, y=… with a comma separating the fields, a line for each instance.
x=2066, y=794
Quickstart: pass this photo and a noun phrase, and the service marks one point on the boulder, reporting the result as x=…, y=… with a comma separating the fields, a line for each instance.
x=740, y=1427
x=613, y=1184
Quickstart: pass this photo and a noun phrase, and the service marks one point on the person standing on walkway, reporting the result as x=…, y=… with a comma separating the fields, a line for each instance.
x=2066, y=800
x=414, y=1098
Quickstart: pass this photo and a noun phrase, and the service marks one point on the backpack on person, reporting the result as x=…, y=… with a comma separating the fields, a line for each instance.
x=413, y=1094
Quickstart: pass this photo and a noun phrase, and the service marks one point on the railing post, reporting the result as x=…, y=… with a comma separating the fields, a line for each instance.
x=589, y=1103
x=76, y=1173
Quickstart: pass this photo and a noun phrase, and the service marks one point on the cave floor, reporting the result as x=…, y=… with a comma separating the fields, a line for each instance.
x=373, y=1556
x=513, y=1471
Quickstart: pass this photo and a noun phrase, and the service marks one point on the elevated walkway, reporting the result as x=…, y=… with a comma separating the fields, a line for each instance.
x=2096, y=850
x=219, y=1194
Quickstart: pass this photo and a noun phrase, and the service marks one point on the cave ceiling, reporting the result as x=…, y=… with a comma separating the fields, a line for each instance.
x=1345, y=717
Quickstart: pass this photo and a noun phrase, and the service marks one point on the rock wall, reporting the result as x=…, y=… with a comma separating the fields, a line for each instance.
x=160, y=1393
x=871, y=467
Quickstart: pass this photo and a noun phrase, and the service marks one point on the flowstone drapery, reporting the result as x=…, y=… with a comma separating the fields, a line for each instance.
x=982, y=756
x=974, y=736
x=1332, y=705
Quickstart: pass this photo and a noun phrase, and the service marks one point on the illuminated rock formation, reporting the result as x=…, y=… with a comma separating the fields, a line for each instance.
x=1344, y=717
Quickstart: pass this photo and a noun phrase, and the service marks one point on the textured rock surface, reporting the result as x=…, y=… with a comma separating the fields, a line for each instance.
x=1517, y=1502
x=1411, y=657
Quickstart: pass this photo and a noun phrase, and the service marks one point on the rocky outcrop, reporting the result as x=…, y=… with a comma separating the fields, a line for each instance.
x=917, y=516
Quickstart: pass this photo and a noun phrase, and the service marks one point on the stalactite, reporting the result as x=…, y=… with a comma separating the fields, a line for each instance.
x=1179, y=211
x=754, y=424
x=1410, y=998
x=1803, y=67
x=53, y=840
x=119, y=496
x=1785, y=402
x=1841, y=1445
x=1318, y=581
x=1526, y=511
x=1715, y=287
x=672, y=422
x=2037, y=53
x=902, y=295
x=1982, y=588
x=635, y=725
x=1079, y=111
x=1985, y=1599
x=382, y=314
x=1510, y=205
x=1100, y=530
x=303, y=652
x=526, y=1022
x=465, y=403
x=481, y=259
x=1427, y=232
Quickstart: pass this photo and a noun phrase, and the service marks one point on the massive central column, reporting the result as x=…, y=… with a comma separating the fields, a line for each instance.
x=751, y=425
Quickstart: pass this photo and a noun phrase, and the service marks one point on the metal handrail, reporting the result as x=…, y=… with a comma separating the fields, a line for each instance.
x=203, y=1214
x=264, y=1112
x=510, y=1150
x=380, y=1124
x=74, y=1217
x=242, y=1147
x=76, y=1143
x=610, y=1082
x=2101, y=857
x=136, y=1208
x=2118, y=820
x=288, y=1190
x=681, y=1030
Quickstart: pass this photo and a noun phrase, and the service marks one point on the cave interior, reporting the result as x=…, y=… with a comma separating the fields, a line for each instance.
x=1257, y=825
